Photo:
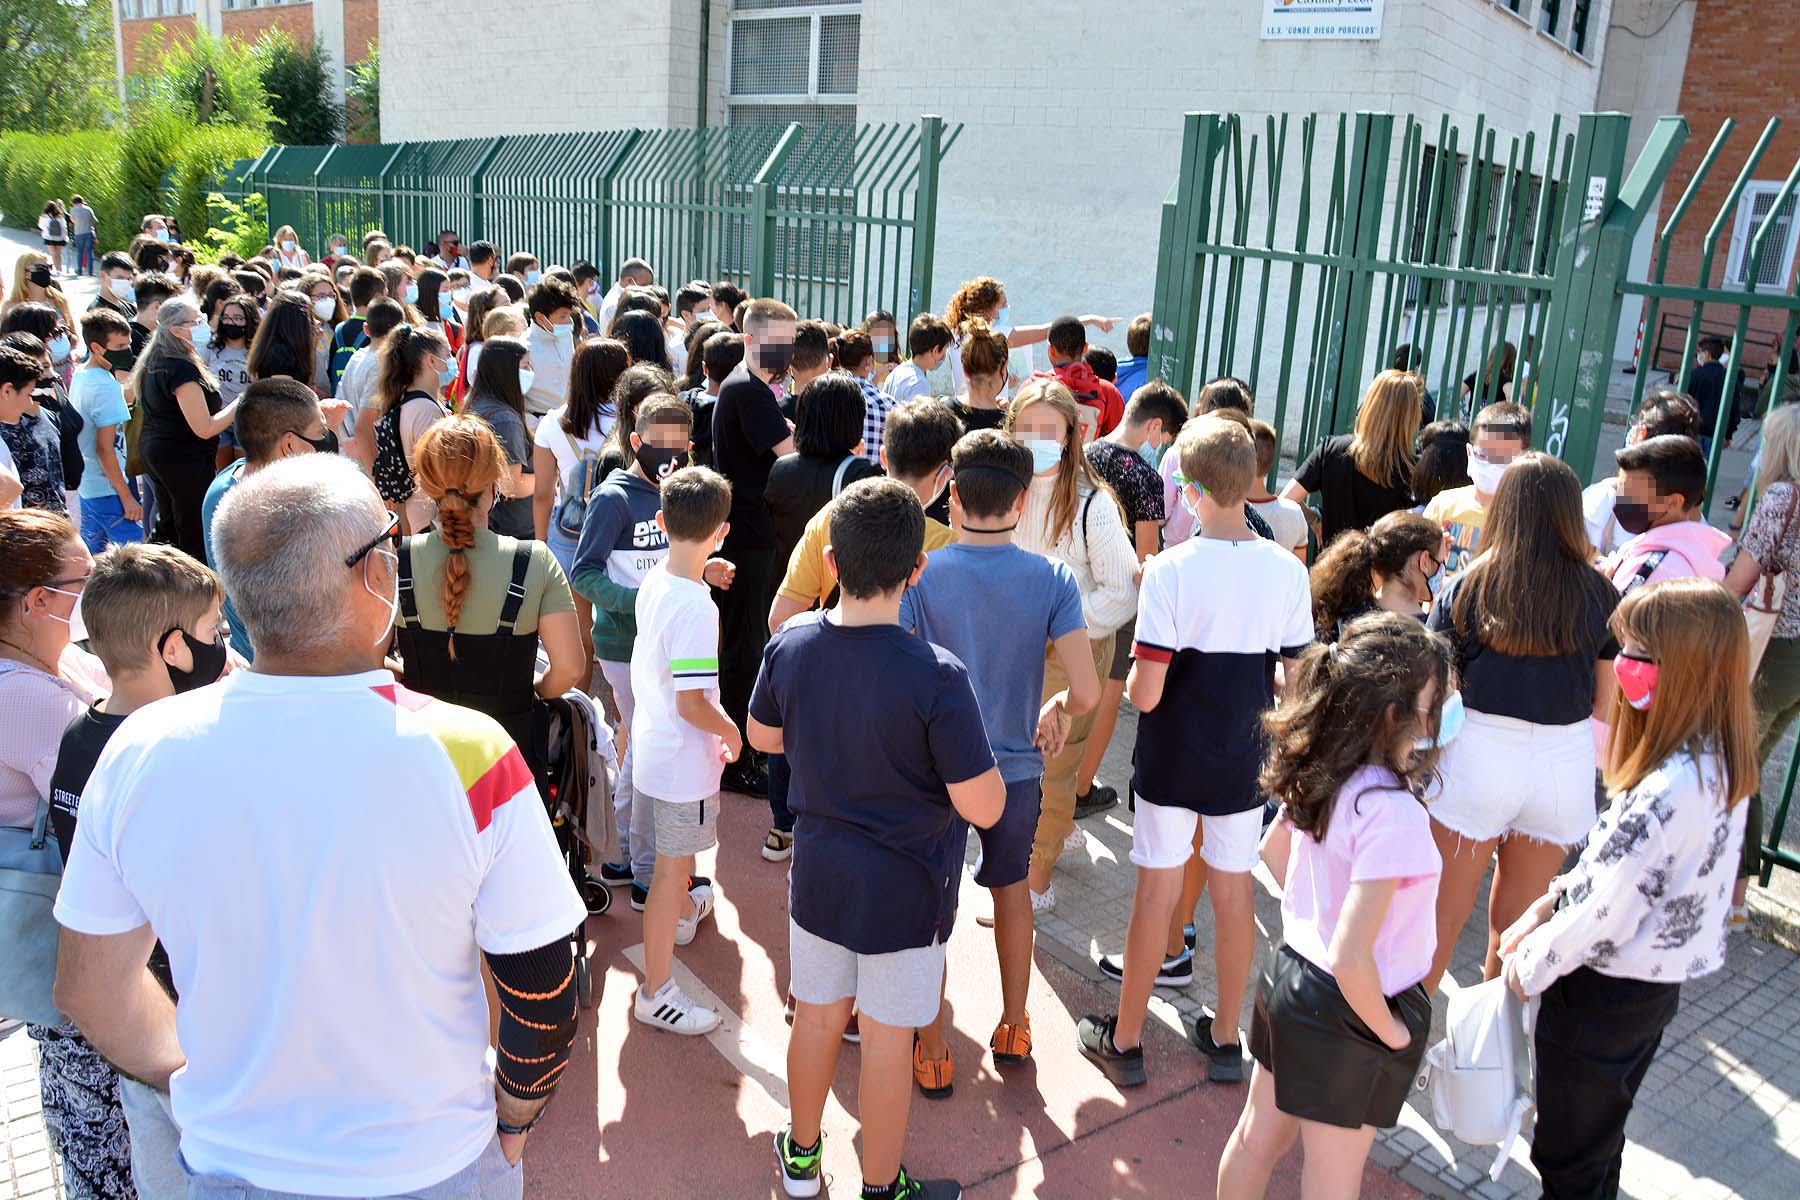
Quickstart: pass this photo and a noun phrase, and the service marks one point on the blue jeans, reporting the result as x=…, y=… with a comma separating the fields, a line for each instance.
x=155, y=1142
x=779, y=777
x=103, y=523
x=84, y=253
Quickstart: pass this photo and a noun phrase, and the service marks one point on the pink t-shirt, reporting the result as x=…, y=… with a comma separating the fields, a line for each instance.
x=1377, y=831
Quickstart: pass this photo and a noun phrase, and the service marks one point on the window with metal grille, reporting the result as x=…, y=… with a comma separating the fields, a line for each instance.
x=1509, y=229
x=1754, y=207
x=792, y=55
x=1567, y=22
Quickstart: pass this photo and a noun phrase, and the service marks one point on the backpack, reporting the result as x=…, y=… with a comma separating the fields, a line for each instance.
x=1481, y=1076
x=30, y=872
x=578, y=487
x=393, y=477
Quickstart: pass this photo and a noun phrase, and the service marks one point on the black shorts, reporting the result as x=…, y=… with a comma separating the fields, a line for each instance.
x=1006, y=845
x=1121, y=662
x=1328, y=1066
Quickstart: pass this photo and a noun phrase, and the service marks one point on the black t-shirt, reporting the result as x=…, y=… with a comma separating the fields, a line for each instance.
x=977, y=418
x=124, y=308
x=1706, y=384
x=876, y=724
x=163, y=420
x=1550, y=689
x=1350, y=499
x=747, y=426
x=701, y=404
x=800, y=485
x=140, y=337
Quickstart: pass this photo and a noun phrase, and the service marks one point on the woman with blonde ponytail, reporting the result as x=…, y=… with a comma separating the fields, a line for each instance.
x=465, y=633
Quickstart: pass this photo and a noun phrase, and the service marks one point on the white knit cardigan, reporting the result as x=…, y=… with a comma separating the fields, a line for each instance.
x=1100, y=555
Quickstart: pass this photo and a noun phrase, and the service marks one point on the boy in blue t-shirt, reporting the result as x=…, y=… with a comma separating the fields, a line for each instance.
x=877, y=851
x=1213, y=615
x=1026, y=600
x=110, y=512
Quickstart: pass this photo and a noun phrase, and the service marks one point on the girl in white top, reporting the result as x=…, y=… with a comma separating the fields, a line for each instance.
x=1072, y=516
x=287, y=250
x=571, y=432
x=1645, y=907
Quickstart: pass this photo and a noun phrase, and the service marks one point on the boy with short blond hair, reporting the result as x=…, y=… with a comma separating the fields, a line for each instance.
x=1213, y=613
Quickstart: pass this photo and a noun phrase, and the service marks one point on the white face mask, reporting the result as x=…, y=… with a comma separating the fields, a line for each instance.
x=324, y=307
x=1486, y=475
x=393, y=602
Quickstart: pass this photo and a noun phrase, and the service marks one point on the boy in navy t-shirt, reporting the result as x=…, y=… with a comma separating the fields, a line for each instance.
x=1214, y=614
x=877, y=851
x=995, y=606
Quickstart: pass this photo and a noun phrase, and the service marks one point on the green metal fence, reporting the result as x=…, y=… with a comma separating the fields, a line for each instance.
x=837, y=219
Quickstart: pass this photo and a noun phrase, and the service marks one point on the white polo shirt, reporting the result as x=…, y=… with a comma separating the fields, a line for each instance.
x=324, y=916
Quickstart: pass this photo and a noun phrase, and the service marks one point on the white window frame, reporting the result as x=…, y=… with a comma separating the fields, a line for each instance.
x=812, y=94
x=1737, y=261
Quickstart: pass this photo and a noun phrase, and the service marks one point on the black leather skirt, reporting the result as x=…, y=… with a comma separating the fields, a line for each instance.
x=1328, y=1065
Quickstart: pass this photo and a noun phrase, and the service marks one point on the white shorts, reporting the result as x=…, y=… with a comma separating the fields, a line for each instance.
x=1505, y=776
x=1163, y=836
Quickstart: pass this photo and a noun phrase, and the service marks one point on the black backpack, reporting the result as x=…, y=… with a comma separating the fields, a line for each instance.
x=393, y=477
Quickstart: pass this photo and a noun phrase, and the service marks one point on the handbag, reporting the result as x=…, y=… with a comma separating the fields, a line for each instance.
x=1482, y=1076
x=30, y=872
x=1762, y=607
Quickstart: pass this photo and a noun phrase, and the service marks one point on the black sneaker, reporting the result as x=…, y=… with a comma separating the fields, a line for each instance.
x=1177, y=971
x=640, y=894
x=1188, y=936
x=1095, y=1038
x=905, y=1187
x=799, y=1172
x=1097, y=799
x=746, y=779
x=613, y=874
x=1224, y=1064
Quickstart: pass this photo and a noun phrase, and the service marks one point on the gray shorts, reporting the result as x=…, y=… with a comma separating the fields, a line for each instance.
x=487, y=1178
x=683, y=829
x=903, y=988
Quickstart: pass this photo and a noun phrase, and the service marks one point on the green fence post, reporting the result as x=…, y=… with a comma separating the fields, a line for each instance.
x=762, y=213
x=477, y=180
x=925, y=195
x=1600, y=219
x=1365, y=191
x=264, y=166
x=318, y=238
x=1174, y=323
x=382, y=181
x=608, y=170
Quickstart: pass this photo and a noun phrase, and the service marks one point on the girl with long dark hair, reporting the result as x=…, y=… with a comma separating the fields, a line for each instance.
x=498, y=397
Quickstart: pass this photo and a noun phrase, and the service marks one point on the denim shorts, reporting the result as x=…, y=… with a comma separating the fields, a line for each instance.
x=103, y=523
x=1006, y=845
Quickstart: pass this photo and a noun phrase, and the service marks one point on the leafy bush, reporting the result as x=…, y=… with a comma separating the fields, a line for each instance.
x=203, y=154
x=298, y=81
x=204, y=80
x=35, y=167
x=235, y=228
x=364, y=90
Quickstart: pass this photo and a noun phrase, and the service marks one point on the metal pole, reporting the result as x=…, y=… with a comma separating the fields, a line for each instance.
x=925, y=198
x=762, y=215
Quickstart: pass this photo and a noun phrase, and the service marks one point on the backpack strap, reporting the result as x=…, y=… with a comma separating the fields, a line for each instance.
x=1085, y=506
x=409, y=604
x=837, y=480
x=515, y=590
x=1645, y=569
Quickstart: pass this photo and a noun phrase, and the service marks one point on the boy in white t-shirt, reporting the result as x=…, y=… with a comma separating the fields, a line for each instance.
x=928, y=340
x=1285, y=517
x=681, y=737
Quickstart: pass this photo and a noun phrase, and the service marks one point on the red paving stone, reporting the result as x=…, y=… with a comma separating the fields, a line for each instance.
x=648, y=1114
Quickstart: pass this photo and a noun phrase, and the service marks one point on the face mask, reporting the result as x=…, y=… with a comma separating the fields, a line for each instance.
x=121, y=360
x=446, y=306
x=1637, y=680
x=125, y=290
x=461, y=296
x=39, y=275
x=1151, y=453
x=1632, y=516
x=563, y=333
x=1003, y=319
x=1190, y=504
x=393, y=601
x=289, y=245
x=209, y=662
x=412, y=293
x=60, y=349
x=328, y=444
x=659, y=462
x=201, y=335
x=527, y=377
x=323, y=307
x=1450, y=723
x=1046, y=455
x=233, y=333
x=883, y=345
x=161, y=235
x=1486, y=475
x=447, y=373
x=776, y=357
x=532, y=277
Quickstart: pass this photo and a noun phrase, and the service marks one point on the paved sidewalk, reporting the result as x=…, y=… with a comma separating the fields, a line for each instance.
x=27, y=1168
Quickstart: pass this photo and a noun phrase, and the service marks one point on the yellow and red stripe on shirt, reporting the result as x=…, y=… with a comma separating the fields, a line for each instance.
x=487, y=762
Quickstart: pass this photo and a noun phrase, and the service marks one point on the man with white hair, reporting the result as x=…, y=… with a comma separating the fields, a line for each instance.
x=322, y=912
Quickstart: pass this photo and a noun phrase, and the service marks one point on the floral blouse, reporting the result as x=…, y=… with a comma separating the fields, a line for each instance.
x=1761, y=538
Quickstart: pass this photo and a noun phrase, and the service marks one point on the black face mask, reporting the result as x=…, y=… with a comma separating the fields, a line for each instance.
x=232, y=332
x=658, y=462
x=39, y=275
x=209, y=662
x=1632, y=517
x=121, y=360
x=325, y=445
x=776, y=357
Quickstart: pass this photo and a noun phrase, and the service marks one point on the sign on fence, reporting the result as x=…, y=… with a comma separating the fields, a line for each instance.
x=1337, y=20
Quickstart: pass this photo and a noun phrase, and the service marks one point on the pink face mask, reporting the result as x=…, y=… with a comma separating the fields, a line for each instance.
x=1637, y=680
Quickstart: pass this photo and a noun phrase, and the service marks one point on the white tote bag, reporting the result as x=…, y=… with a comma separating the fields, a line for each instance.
x=1762, y=607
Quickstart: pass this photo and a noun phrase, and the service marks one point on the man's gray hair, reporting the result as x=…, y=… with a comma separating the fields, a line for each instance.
x=279, y=540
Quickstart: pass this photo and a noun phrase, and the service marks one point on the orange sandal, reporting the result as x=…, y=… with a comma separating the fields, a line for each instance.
x=1012, y=1043
x=934, y=1077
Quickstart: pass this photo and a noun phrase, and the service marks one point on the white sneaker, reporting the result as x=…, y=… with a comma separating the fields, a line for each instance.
x=670, y=1009
x=1076, y=842
x=685, y=927
x=1044, y=901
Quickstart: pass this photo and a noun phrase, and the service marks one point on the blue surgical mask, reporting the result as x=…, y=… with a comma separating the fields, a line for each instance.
x=447, y=373
x=412, y=293
x=125, y=290
x=1003, y=319
x=60, y=348
x=446, y=306
x=883, y=345
x=532, y=276
x=527, y=377
x=1046, y=455
x=1450, y=723
x=162, y=235
x=201, y=335
x=563, y=333
x=1151, y=453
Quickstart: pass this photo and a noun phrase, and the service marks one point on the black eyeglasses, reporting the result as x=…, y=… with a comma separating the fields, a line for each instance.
x=390, y=534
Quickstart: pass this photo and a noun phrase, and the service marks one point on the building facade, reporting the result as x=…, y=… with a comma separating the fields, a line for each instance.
x=346, y=28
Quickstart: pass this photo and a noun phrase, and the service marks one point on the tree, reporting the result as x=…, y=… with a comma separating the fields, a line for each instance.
x=202, y=80
x=365, y=97
x=298, y=81
x=58, y=65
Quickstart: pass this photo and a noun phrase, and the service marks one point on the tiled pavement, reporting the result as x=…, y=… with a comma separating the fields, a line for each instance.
x=27, y=1171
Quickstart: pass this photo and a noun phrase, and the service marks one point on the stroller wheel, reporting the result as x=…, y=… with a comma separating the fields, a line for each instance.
x=596, y=895
x=584, y=982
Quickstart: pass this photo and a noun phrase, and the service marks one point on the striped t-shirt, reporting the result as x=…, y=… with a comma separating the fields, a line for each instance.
x=677, y=650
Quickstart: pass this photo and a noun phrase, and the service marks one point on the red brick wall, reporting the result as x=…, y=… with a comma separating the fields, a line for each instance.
x=1749, y=80
x=142, y=39
x=362, y=20
x=250, y=23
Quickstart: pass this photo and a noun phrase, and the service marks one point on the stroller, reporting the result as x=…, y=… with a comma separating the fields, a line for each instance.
x=576, y=783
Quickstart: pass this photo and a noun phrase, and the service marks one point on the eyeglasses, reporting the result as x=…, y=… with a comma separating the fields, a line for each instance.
x=390, y=534
x=57, y=583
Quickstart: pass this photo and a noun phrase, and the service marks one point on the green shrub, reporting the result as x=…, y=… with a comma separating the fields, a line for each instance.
x=298, y=80
x=236, y=228
x=205, y=152
x=35, y=167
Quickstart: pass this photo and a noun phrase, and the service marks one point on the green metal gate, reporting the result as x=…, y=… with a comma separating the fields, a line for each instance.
x=837, y=219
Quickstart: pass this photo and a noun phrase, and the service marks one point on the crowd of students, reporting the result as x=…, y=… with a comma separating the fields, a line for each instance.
x=786, y=545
